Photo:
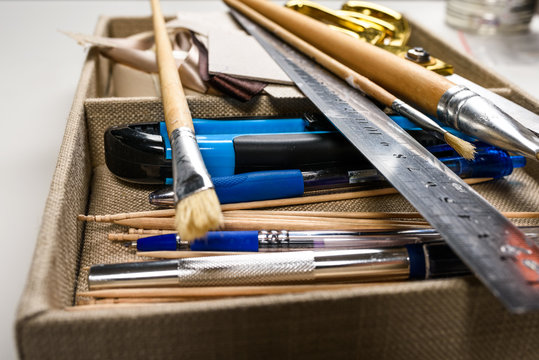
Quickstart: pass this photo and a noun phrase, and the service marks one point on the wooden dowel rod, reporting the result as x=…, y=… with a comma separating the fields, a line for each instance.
x=353, y=78
x=249, y=205
x=336, y=220
x=265, y=203
x=289, y=224
x=403, y=78
x=217, y=291
x=94, y=307
x=120, y=300
x=121, y=216
x=149, y=231
x=331, y=214
x=367, y=215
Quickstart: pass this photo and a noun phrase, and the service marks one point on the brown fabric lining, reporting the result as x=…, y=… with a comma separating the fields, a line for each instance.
x=241, y=89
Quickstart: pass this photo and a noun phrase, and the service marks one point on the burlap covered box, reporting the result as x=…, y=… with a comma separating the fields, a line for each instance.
x=450, y=318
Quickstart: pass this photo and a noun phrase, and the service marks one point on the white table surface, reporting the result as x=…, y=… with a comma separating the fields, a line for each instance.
x=40, y=70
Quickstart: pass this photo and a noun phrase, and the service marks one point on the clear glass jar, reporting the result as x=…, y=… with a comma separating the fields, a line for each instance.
x=490, y=16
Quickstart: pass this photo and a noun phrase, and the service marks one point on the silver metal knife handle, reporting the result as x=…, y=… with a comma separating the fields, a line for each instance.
x=246, y=269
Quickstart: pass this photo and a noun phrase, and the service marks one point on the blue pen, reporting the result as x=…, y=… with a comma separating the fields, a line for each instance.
x=283, y=240
x=489, y=162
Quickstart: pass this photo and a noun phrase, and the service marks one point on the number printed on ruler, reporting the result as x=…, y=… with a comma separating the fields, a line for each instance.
x=485, y=240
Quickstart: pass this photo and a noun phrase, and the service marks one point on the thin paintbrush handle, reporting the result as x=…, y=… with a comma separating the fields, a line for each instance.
x=175, y=106
x=402, y=78
x=353, y=78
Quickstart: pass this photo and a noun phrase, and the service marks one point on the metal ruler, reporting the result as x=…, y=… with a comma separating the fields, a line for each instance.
x=493, y=248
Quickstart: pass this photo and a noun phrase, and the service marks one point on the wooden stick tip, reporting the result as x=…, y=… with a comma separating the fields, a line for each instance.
x=82, y=217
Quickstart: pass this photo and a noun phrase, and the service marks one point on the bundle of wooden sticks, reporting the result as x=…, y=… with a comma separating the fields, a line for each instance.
x=148, y=223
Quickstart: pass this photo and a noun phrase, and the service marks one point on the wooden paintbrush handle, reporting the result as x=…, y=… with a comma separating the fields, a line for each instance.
x=175, y=106
x=353, y=78
x=401, y=77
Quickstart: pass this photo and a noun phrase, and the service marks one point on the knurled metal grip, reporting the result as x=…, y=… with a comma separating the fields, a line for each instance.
x=188, y=169
x=246, y=269
x=273, y=238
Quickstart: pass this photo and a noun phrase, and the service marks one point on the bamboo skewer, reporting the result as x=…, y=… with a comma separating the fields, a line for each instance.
x=359, y=82
x=331, y=214
x=333, y=221
x=146, y=231
x=265, y=203
x=297, y=216
x=280, y=223
x=118, y=300
x=252, y=204
x=219, y=291
x=328, y=214
x=197, y=206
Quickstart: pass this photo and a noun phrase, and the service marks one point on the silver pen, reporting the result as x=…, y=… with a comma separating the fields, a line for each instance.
x=414, y=261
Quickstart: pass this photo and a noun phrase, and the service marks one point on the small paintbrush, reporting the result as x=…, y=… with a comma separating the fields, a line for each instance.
x=359, y=82
x=452, y=104
x=197, y=207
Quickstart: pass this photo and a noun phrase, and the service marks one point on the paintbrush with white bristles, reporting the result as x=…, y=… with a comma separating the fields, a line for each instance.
x=197, y=206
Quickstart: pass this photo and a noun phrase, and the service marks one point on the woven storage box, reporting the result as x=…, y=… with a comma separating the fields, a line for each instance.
x=451, y=318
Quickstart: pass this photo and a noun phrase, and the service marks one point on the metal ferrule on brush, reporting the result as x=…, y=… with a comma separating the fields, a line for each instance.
x=419, y=118
x=188, y=169
x=256, y=269
x=474, y=115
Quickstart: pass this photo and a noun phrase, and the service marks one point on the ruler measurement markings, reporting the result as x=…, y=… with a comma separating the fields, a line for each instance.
x=458, y=212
